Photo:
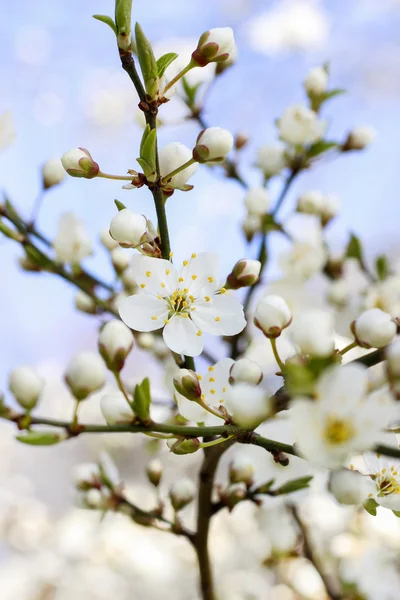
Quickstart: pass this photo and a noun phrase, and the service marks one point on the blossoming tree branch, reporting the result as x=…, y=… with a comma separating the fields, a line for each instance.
x=169, y=305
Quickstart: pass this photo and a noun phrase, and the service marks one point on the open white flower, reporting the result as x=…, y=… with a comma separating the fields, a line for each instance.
x=184, y=303
x=342, y=420
x=71, y=243
x=385, y=473
x=300, y=125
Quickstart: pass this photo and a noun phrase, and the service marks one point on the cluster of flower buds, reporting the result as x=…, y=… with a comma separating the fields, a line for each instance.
x=78, y=162
x=26, y=386
x=98, y=485
x=245, y=273
x=314, y=202
x=85, y=374
x=374, y=328
x=272, y=316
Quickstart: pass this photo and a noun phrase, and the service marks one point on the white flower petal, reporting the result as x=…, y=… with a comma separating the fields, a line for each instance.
x=342, y=388
x=154, y=275
x=180, y=335
x=201, y=274
x=215, y=382
x=138, y=311
x=222, y=315
x=190, y=410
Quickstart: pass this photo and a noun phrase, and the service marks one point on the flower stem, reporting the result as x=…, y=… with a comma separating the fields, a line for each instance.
x=215, y=442
x=348, y=348
x=276, y=354
x=121, y=387
x=75, y=415
x=118, y=177
x=181, y=74
x=210, y=410
x=187, y=164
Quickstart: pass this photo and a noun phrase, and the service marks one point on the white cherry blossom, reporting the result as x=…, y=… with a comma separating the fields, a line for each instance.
x=184, y=303
x=71, y=244
x=385, y=473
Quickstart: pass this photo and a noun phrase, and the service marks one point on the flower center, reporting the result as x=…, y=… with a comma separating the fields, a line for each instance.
x=180, y=302
x=338, y=431
x=387, y=482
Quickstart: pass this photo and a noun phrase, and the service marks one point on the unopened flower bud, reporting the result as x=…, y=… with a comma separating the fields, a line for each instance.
x=85, y=374
x=53, y=173
x=329, y=208
x=182, y=492
x=222, y=65
x=246, y=272
x=115, y=409
x=310, y=202
x=245, y=371
x=339, y=293
x=128, y=229
x=313, y=333
x=26, y=386
x=212, y=145
x=120, y=259
x=241, y=140
x=251, y=225
x=85, y=303
x=300, y=125
x=241, y=470
x=79, y=163
x=316, y=82
x=154, y=471
x=393, y=358
x=235, y=494
x=359, y=138
x=350, y=487
x=86, y=476
x=187, y=383
x=181, y=446
x=257, y=201
x=374, y=329
x=145, y=341
x=171, y=157
x=272, y=316
x=94, y=498
x=108, y=242
x=115, y=343
x=248, y=404
x=214, y=45
x=271, y=159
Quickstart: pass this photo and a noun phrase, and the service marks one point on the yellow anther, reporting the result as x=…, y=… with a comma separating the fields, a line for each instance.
x=202, y=396
x=186, y=316
x=217, y=318
x=207, y=298
x=193, y=308
x=154, y=318
x=221, y=401
x=211, y=369
x=199, y=333
x=185, y=263
x=194, y=255
x=167, y=271
x=142, y=285
x=212, y=391
x=224, y=389
x=171, y=254
x=210, y=279
x=383, y=471
x=162, y=285
x=159, y=296
x=199, y=377
x=185, y=290
x=148, y=273
x=223, y=291
x=211, y=379
x=194, y=277
x=184, y=303
x=180, y=279
x=191, y=298
x=166, y=321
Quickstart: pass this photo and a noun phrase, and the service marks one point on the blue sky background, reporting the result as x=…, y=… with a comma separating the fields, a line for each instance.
x=54, y=62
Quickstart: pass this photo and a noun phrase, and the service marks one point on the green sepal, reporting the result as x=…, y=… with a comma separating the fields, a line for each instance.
x=370, y=506
x=107, y=20
x=396, y=513
x=142, y=400
x=147, y=61
x=164, y=61
x=40, y=438
x=301, y=483
x=119, y=205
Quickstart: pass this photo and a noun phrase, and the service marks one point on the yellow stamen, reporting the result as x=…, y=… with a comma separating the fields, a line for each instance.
x=211, y=369
x=194, y=255
x=217, y=318
x=210, y=279
x=223, y=291
x=199, y=333
x=194, y=277
x=180, y=279
x=212, y=391
x=154, y=318
x=185, y=263
x=148, y=273
x=167, y=271
x=142, y=285
x=211, y=379
x=207, y=298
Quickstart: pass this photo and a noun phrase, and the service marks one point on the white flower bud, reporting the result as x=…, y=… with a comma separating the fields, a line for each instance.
x=241, y=470
x=85, y=475
x=246, y=272
x=53, y=173
x=374, y=329
x=120, y=259
x=339, y=293
x=71, y=243
x=171, y=157
x=245, y=371
x=329, y=208
x=129, y=281
x=79, y=163
x=214, y=45
x=251, y=224
x=94, y=498
x=271, y=159
x=26, y=386
x=257, y=201
x=115, y=343
x=272, y=315
x=393, y=358
x=187, y=383
x=300, y=125
x=310, y=202
x=85, y=374
x=108, y=242
x=160, y=348
x=145, y=341
x=316, y=82
x=85, y=303
x=154, y=471
x=181, y=493
x=248, y=404
x=350, y=487
x=313, y=333
x=115, y=409
x=359, y=138
x=213, y=145
x=128, y=229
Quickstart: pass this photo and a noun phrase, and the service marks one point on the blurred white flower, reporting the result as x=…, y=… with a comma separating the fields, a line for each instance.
x=71, y=243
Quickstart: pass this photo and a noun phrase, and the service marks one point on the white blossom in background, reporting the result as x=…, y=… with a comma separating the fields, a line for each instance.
x=183, y=303
x=313, y=333
x=181, y=493
x=84, y=302
x=26, y=386
x=271, y=159
x=339, y=293
x=120, y=259
x=241, y=469
x=85, y=374
x=316, y=82
x=384, y=474
x=384, y=295
x=108, y=242
x=350, y=487
x=115, y=409
x=299, y=125
x=171, y=157
x=342, y=419
x=245, y=371
x=72, y=243
x=248, y=404
x=307, y=254
x=279, y=528
x=257, y=201
x=251, y=225
x=360, y=137
x=374, y=329
x=53, y=173
x=7, y=129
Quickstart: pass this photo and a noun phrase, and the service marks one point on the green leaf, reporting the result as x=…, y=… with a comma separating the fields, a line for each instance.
x=294, y=486
x=119, y=205
x=148, y=149
x=147, y=61
x=150, y=174
x=333, y=93
x=142, y=400
x=354, y=248
x=164, y=61
x=265, y=487
x=40, y=438
x=320, y=147
x=123, y=10
x=370, y=506
x=382, y=267
x=190, y=92
x=107, y=20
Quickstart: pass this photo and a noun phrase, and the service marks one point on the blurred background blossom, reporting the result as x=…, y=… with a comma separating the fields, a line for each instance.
x=63, y=84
